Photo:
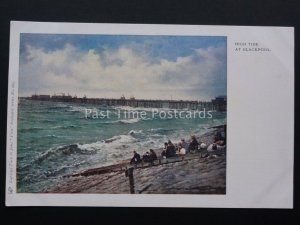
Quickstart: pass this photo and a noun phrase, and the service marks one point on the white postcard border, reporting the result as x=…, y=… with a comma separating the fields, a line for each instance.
x=259, y=168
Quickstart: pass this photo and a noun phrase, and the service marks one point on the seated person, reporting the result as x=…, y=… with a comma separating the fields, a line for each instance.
x=212, y=147
x=170, y=152
x=136, y=158
x=176, y=147
x=165, y=146
x=220, y=142
x=181, y=151
x=194, y=144
x=163, y=153
x=152, y=156
x=146, y=157
x=184, y=144
x=220, y=139
x=202, y=145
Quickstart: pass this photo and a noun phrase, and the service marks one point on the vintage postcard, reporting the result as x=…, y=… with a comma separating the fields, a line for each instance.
x=150, y=115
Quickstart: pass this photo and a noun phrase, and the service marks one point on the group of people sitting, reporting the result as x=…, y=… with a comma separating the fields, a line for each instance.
x=182, y=148
x=147, y=157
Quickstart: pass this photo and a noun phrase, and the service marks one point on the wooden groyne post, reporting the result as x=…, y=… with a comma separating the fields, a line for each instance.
x=129, y=173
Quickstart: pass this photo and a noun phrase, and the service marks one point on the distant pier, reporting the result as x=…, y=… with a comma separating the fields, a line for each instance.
x=217, y=104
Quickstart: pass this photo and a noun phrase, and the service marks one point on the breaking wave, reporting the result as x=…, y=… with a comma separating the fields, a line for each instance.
x=115, y=142
x=129, y=121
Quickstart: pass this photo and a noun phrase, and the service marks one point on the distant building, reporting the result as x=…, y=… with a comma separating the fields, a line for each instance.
x=40, y=97
x=61, y=97
x=220, y=103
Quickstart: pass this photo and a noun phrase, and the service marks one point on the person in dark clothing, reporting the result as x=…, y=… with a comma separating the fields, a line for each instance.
x=185, y=145
x=153, y=156
x=136, y=158
x=163, y=153
x=171, y=151
x=168, y=153
x=193, y=144
x=166, y=146
x=220, y=137
x=146, y=157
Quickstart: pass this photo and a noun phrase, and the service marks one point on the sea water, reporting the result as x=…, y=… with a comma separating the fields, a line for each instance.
x=47, y=129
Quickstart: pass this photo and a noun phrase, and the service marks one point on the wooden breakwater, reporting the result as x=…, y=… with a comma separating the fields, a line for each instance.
x=194, y=174
x=125, y=165
x=202, y=172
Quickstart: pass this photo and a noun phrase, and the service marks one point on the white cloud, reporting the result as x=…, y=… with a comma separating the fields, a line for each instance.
x=113, y=72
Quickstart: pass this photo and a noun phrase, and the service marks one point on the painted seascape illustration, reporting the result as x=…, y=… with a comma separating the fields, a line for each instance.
x=121, y=114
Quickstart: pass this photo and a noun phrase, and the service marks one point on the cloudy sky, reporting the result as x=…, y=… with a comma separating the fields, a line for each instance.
x=150, y=67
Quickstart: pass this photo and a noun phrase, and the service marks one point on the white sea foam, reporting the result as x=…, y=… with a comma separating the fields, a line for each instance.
x=65, y=127
x=53, y=136
x=109, y=143
x=44, y=155
x=135, y=132
x=134, y=120
x=77, y=109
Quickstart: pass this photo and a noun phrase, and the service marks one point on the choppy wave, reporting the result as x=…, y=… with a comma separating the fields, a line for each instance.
x=47, y=121
x=58, y=106
x=160, y=131
x=38, y=111
x=83, y=149
x=65, y=127
x=128, y=121
x=76, y=109
x=53, y=136
x=31, y=129
x=120, y=139
x=53, y=128
x=135, y=132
